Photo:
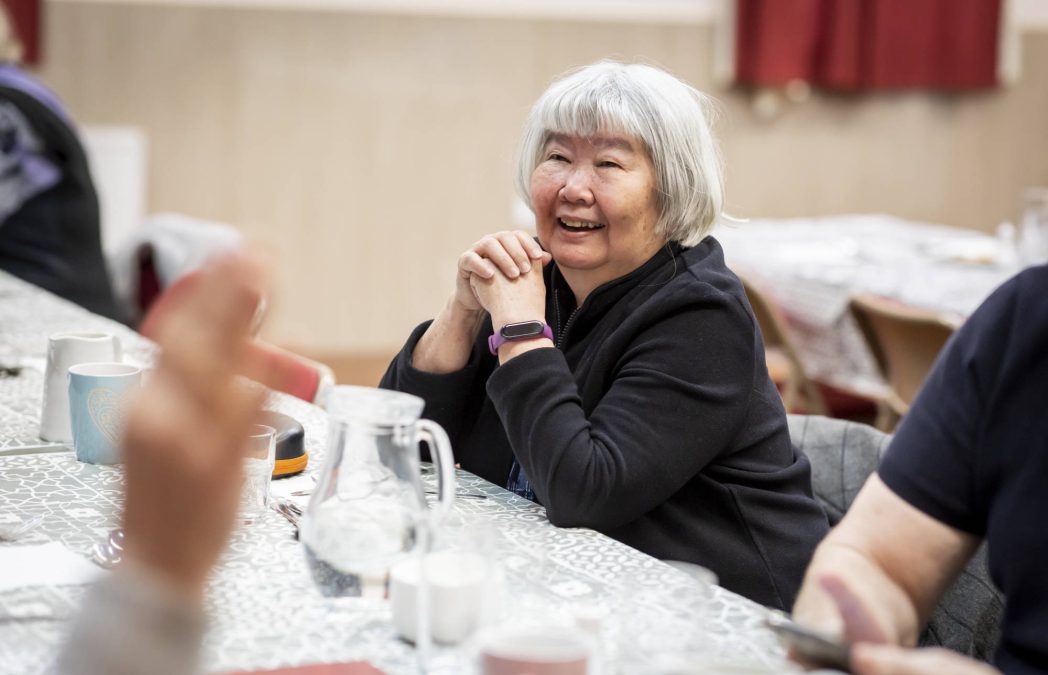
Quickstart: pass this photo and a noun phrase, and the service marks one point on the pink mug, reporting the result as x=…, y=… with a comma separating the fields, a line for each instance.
x=541, y=650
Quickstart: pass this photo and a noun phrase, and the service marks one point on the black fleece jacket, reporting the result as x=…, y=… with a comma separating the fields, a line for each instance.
x=654, y=421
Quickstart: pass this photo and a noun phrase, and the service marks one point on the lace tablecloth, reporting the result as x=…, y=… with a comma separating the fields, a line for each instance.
x=813, y=265
x=264, y=609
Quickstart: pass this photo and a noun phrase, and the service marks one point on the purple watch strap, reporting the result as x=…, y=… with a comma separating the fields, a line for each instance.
x=497, y=339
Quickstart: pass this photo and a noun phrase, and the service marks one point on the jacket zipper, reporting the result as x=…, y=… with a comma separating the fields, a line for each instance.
x=562, y=329
x=563, y=334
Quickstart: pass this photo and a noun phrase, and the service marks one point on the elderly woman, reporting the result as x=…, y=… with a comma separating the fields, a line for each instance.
x=612, y=370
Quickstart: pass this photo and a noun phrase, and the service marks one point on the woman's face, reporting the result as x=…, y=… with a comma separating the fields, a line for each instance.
x=595, y=207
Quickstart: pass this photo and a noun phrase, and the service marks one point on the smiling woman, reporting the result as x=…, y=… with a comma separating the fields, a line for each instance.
x=612, y=370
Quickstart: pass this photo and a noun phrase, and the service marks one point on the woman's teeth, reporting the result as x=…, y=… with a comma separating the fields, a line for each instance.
x=581, y=225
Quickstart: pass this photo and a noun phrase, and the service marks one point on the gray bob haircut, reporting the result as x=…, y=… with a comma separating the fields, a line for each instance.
x=671, y=118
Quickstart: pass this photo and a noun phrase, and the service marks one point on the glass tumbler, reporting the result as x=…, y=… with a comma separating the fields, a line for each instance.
x=259, y=459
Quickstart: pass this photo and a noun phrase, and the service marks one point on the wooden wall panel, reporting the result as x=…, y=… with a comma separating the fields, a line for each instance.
x=366, y=151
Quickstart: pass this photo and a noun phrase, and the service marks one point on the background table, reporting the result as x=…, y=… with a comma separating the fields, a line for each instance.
x=264, y=609
x=812, y=266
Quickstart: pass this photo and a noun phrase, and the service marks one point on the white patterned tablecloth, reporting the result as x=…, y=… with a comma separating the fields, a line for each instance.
x=264, y=609
x=812, y=266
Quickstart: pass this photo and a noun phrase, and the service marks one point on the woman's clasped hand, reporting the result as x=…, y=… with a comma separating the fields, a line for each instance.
x=502, y=275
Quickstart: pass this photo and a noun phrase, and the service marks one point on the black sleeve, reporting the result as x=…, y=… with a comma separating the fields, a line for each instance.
x=678, y=397
x=450, y=396
x=933, y=461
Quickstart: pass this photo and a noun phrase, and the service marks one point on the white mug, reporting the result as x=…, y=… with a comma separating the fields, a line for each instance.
x=63, y=351
x=457, y=591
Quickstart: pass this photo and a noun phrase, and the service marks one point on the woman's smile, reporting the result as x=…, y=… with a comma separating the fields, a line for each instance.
x=580, y=226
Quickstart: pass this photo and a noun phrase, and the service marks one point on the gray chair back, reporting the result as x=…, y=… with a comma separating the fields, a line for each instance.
x=843, y=454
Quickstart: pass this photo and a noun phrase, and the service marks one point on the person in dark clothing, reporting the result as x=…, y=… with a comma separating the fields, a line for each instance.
x=612, y=370
x=969, y=462
x=49, y=214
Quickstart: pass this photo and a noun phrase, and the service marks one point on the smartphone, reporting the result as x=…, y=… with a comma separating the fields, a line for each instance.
x=817, y=649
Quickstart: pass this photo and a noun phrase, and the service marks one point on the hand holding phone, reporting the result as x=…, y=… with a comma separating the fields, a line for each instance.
x=812, y=646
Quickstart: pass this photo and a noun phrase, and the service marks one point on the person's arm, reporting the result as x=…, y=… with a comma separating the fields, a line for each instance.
x=445, y=347
x=183, y=463
x=134, y=622
x=877, y=575
x=444, y=360
x=680, y=391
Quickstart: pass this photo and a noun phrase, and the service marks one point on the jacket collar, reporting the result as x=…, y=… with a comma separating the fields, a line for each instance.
x=658, y=269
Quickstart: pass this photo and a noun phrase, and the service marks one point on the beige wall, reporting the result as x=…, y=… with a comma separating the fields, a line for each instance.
x=367, y=151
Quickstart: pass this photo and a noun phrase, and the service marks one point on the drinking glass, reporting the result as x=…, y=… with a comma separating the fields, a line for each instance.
x=1033, y=240
x=259, y=459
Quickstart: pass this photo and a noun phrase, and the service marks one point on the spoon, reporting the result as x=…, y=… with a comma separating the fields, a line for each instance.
x=12, y=532
x=289, y=510
x=465, y=495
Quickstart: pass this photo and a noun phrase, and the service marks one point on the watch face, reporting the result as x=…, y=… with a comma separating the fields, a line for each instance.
x=516, y=331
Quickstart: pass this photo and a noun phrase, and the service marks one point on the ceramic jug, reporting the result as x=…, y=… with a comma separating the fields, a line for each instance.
x=65, y=350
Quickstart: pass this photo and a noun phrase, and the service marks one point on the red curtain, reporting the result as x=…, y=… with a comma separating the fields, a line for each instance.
x=868, y=44
x=25, y=15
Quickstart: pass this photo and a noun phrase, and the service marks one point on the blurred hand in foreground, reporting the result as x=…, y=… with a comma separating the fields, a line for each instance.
x=871, y=655
x=184, y=432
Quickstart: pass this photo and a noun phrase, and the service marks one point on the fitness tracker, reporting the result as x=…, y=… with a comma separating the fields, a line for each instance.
x=524, y=330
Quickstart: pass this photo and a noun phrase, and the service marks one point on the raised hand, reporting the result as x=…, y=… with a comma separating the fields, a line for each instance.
x=182, y=443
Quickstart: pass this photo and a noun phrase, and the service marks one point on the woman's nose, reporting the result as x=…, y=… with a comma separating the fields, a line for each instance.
x=576, y=188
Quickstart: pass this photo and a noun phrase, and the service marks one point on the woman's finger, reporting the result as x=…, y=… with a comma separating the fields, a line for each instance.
x=491, y=248
x=532, y=247
x=470, y=262
x=517, y=250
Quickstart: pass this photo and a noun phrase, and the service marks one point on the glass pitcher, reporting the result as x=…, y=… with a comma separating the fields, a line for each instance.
x=368, y=507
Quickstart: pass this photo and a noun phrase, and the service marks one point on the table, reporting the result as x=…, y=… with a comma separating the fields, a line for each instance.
x=264, y=609
x=812, y=266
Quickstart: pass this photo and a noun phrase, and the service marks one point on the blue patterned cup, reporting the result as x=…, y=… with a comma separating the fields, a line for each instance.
x=99, y=394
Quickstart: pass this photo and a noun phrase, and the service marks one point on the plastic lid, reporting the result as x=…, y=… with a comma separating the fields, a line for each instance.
x=373, y=405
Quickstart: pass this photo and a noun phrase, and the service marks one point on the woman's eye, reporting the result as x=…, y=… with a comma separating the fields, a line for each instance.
x=607, y=163
x=556, y=157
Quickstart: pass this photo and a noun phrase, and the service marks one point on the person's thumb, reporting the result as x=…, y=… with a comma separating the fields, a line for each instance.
x=859, y=623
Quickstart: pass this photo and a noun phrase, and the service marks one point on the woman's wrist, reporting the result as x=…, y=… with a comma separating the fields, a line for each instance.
x=467, y=318
x=445, y=347
x=500, y=316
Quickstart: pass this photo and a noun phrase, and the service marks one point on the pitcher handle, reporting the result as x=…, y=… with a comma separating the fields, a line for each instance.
x=440, y=451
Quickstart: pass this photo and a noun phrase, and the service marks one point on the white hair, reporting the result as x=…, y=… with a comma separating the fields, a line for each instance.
x=671, y=118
